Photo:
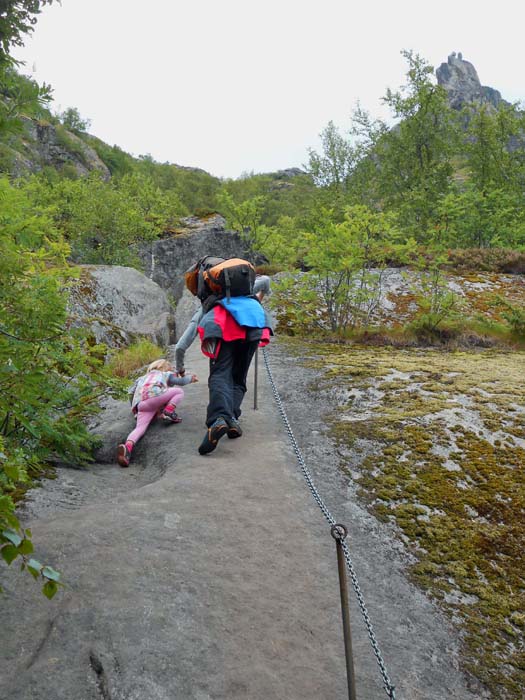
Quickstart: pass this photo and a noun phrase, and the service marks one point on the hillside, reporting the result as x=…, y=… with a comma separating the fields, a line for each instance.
x=397, y=258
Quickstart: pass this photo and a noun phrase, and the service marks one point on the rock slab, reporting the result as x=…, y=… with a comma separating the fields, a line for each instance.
x=120, y=304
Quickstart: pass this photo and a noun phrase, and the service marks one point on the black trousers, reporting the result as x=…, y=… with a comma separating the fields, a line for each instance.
x=227, y=380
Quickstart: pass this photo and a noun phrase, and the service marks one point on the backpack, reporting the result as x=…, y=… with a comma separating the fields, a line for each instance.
x=234, y=277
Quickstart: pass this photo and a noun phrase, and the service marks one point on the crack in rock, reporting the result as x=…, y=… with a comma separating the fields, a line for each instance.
x=101, y=677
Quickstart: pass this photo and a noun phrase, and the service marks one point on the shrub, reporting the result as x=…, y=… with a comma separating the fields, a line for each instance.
x=70, y=144
x=50, y=378
x=515, y=317
x=141, y=353
x=504, y=260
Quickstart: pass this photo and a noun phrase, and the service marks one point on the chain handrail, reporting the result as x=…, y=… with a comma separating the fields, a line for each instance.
x=387, y=684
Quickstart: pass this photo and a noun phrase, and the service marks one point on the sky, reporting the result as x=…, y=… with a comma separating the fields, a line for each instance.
x=235, y=86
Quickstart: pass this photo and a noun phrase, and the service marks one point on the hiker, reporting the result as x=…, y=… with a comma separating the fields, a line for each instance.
x=230, y=330
x=260, y=289
x=156, y=393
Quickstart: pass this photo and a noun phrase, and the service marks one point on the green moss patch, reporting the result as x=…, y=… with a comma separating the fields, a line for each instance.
x=438, y=442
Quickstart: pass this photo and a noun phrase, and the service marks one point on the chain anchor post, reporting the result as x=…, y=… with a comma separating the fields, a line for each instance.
x=255, y=379
x=339, y=533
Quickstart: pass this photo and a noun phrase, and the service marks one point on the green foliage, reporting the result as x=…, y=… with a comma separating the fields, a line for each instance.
x=50, y=379
x=102, y=222
x=17, y=18
x=20, y=96
x=493, y=147
x=118, y=161
x=346, y=262
x=245, y=217
x=334, y=166
x=123, y=362
x=160, y=208
x=278, y=195
x=438, y=305
x=7, y=158
x=69, y=143
x=473, y=218
x=515, y=317
x=414, y=158
x=448, y=177
x=195, y=188
x=72, y=120
x=16, y=543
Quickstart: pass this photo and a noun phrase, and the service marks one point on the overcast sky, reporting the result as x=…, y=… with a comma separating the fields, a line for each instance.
x=238, y=85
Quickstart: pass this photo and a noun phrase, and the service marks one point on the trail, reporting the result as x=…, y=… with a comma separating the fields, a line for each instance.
x=196, y=578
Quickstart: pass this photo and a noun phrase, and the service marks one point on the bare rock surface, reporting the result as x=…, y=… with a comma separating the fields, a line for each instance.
x=46, y=145
x=194, y=577
x=119, y=304
x=165, y=260
x=460, y=80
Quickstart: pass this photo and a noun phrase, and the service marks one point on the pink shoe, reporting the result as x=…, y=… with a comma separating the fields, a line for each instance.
x=170, y=417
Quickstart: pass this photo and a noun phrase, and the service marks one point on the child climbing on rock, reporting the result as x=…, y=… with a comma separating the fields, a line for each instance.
x=155, y=393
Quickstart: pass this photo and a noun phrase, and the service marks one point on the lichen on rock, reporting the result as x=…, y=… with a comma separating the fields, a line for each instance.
x=436, y=443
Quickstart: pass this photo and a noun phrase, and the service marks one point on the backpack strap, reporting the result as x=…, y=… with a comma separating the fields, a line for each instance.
x=227, y=283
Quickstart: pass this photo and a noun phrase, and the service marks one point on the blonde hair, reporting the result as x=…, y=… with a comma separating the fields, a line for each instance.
x=162, y=365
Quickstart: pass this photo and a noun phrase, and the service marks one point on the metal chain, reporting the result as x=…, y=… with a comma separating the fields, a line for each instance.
x=387, y=684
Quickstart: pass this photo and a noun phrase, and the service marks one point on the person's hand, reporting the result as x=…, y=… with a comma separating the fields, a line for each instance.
x=193, y=379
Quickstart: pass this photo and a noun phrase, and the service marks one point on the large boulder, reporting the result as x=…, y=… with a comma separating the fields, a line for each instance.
x=166, y=260
x=120, y=304
x=186, y=307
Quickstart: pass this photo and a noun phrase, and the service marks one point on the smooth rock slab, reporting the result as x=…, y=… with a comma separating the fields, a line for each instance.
x=119, y=304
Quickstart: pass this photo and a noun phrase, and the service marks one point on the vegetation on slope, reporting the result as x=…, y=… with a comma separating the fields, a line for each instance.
x=435, y=444
x=441, y=191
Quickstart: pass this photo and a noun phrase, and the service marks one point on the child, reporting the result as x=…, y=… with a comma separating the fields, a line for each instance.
x=154, y=394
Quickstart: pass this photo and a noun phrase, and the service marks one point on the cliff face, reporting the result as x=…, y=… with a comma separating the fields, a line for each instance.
x=44, y=145
x=461, y=81
x=165, y=260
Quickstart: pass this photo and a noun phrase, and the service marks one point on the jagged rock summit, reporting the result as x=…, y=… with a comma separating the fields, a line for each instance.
x=461, y=81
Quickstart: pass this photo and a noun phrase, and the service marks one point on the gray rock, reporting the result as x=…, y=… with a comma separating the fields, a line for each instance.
x=120, y=304
x=191, y=578
x=111, y=427
x=461, y=81
x=46, y=145
x=288, y=173
x=187, y=306
x=166, y=260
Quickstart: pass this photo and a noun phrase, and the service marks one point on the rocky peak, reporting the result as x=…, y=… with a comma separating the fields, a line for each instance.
x=461, y=81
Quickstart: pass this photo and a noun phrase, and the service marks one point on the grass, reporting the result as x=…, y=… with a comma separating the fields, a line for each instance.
x=129, y=359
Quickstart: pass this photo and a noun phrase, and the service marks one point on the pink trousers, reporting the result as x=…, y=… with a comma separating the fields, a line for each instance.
x=148, y=410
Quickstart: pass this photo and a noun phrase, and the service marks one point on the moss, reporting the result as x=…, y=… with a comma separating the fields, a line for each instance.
x=448, y=469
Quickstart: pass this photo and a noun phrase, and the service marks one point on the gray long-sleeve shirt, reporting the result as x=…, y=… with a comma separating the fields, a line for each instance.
x=262, y=284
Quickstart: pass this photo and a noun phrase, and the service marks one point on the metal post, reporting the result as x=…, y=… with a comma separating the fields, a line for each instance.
x=255, y=376
x=339, y=533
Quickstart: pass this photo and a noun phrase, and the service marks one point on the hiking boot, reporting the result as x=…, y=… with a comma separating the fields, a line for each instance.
x=214, y=433
x=234, y=428
x=170, y=417
x=123, y=455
